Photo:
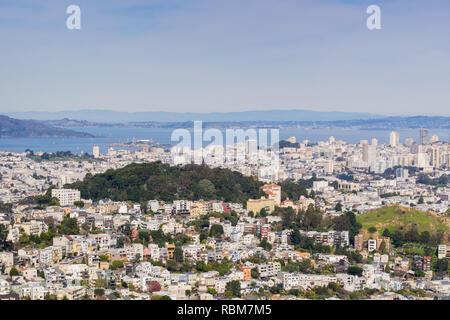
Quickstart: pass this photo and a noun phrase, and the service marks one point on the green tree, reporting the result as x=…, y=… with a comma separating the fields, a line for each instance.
x=13, y=271
x=116, y=264
x=68, y=226
x=99, y=292
x=234, y=287
x=79, y=204
x=265, y=245
x=255, y=273
x=382, y=247
x=263, y=212
x=425, y=237
x=334, y=286
x=355, y=270
x=441, y=265
x=386, y=233
x=372, y=229
x=178, y=254
x=420, y=200
x=212, y=291
x=206, y=189
x=216, y=231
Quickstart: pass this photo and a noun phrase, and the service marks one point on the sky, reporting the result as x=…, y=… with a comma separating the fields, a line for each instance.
x=226, y=55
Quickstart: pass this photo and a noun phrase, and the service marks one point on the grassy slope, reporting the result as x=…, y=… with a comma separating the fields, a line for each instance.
x=393, y=217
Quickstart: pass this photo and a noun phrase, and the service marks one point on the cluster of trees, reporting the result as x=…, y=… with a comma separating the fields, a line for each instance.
x=389, y=173
x=348, y=222
x=309, y=219
x=287, y=144
x=6, y=207
x=57, y=155
x=156, y=236
x=45, y=239
x=304, y=266
x=304, y=242
x=346, y=177
x=313, y=219
x=233, y=217
x=355, y=271
x=233, y=289
x=68, y=226
x=293, y=190
x=441, y=181
x=4, y=245
x=41, y=201
x=222, y=267
x=143, y=182
x=403, y=235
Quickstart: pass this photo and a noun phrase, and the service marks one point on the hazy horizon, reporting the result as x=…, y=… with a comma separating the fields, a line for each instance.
x=225, y=56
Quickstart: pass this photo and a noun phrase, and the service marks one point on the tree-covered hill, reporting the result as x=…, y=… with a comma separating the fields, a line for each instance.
x=155, y=180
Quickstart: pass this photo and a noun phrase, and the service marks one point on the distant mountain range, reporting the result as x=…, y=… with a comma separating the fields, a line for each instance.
x=389, y=123
x=15, y=128
x=110, y=116
x=55, y=124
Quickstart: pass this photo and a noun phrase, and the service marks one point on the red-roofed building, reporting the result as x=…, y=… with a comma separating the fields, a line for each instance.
x=273, y=192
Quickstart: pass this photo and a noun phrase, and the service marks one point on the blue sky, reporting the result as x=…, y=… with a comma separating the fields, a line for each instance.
x=217, y=55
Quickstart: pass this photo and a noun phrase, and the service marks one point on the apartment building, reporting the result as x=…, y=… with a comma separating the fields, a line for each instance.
x=255, y=205
x=66, y=197
x=371, y=245
x=348, y=186
x=273, y=192
x=442, y=251
x=269, y=269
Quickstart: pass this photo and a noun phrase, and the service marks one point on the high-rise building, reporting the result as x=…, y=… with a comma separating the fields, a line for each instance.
x=423, y=136
x=96, y=151
x=374, y=142
x=369, y=153
x=251, y=149
x=421, y=160
x=394, y=139
x=435, y=157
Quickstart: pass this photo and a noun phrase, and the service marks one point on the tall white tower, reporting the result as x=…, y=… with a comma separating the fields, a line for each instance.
x=96, y=151
x=394, y=139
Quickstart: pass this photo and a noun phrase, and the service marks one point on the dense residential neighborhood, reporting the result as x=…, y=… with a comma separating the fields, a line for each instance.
x=333, y=221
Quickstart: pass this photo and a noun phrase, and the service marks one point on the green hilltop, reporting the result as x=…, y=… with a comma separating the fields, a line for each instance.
x=394, y=217
x=155, y=180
